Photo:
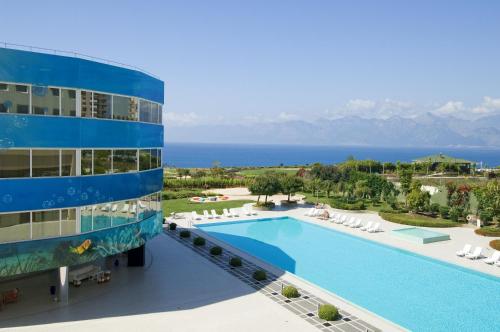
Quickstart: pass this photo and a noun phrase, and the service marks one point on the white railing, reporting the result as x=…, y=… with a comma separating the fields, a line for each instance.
x=72, y=54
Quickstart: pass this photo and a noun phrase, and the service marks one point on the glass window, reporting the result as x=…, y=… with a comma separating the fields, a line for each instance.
x=154, y=158
x=102, y=106
x=124, y=108
x=68, y=221
x=44, y=100
x=160, y=160
x=102, y=161
x=119, y=215
x=86, y=219
x=68, y=102
x=14, y=99
x=144, y=159
x=14, y=227
x=154, y=113
x=86, y=104
x=145, y=113
x=45, y=163
x=102, y=216
x=160, y=114
x=68, y=162
x=14, y=163
x=45, y=224
x=124, y=161
x=86, y=162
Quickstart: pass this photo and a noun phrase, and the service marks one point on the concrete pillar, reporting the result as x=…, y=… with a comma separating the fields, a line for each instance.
x=63, y=285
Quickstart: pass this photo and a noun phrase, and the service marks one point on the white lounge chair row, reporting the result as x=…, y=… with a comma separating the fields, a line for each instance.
x=467, y=252
x=353, y=222
x=231, y=213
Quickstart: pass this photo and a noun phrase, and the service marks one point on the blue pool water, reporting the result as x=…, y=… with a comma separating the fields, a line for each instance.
x=416, y=292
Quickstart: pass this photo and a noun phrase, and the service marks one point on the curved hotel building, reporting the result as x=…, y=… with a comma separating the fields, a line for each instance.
x=80, y=162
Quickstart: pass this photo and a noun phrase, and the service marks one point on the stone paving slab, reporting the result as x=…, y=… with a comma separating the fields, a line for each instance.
x=306, y=306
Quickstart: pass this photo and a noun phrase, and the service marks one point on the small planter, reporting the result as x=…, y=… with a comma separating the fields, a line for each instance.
x=287, y=203
x=264, y=207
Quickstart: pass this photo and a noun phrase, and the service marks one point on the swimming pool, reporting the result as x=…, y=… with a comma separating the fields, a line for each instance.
x=416, y=292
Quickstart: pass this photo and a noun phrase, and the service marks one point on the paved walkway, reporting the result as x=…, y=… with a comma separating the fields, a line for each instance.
x=305, y=306
x=179, y=290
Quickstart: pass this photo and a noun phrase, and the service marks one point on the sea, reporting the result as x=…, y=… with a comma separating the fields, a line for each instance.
x=204, y=155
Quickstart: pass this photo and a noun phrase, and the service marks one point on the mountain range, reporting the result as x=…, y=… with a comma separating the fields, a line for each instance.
x=424, y=130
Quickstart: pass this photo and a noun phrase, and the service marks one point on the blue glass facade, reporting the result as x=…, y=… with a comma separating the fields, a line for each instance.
x=80, y=160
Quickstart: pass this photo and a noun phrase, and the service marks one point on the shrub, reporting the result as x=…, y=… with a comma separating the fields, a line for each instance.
x=185, y=234
x=339, y=204
x=199, y=241
x=290, y=292
x=495, y=244
x=488, y=231
x=444, y=212
x=389, y=211
x=416, y=220
x=260, y=275
x=328, y=312
x=215, y=251
x=434, y=208
x=486, y=217
x=455, y=214
x=235, y=262
x=172, y=226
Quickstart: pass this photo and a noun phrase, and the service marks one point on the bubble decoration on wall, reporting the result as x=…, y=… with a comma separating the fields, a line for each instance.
x=84, y=196
x=7, y=198
x=6, y=143
x=20, y=121
x=71, y=191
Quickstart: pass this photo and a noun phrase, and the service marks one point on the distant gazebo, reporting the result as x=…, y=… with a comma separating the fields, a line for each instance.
x=436, y=159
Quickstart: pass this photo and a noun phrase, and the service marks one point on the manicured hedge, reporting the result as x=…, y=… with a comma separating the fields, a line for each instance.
x=488, y=231
x=260, y=275
x=328, y=312
x=215, y=251
x=495, y=244
x=290, y=292
x=235, y=262
x=199, y=241
x=172, y=226
x=417, y=220
x=185, y=234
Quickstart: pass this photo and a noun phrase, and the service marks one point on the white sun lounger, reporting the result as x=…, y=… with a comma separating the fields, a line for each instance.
x=375, y=228
x=106, y=207
x=206, y=215
x=367, y=226
x=214, y=214
x=477, y=253
x=114, y=208
x=125, y=208
x=350, y=222
x=195, y=216
x=497, y=263
x=493, y=259
x=310, y=212
x=133, y=210
x=142, y=205
x=356, y=224
x=226, y=213
x=248, y=211
x=234, y=212
x=341, y=219
x=466, y=250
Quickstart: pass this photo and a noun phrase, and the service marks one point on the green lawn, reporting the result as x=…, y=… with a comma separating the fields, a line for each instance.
x=259, y=171
x=184, y=205
x=417, y=220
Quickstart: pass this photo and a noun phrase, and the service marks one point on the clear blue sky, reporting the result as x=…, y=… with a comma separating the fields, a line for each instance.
x=225, y=59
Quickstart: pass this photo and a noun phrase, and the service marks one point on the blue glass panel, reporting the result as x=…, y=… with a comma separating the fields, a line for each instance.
x=39, y=255
x=59, y=192
x=19, y=131
x=47, y=69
